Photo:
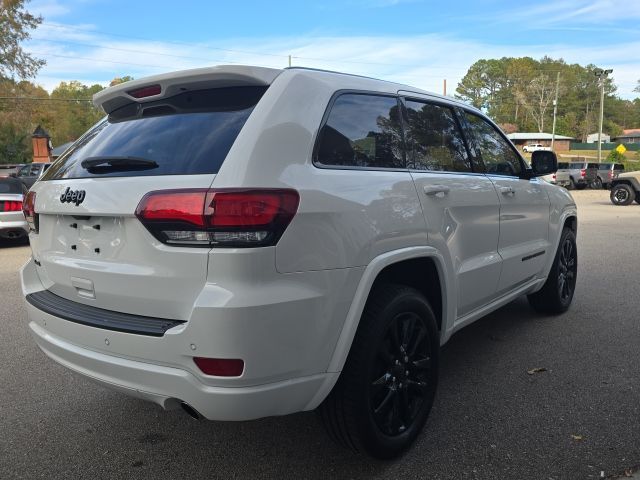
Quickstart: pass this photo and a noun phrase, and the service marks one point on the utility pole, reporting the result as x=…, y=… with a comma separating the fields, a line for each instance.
x=602, y=76
x=444, y=87
x=289, y=61
x=555, y=112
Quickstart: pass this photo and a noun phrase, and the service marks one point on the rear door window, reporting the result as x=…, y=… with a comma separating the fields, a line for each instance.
x=362, y=130
x=433, y=138
x=187, y=134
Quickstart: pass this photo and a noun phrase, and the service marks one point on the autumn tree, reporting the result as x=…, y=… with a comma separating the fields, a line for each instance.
x=15, y=26
x=119, y=80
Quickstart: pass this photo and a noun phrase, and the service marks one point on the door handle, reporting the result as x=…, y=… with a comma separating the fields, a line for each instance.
x=507, y=191
x=433, y=190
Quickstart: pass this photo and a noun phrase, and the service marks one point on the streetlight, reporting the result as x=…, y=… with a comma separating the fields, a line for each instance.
x=602, y=76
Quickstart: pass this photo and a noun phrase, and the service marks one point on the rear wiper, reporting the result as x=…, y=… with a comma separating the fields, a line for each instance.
x=116, y=163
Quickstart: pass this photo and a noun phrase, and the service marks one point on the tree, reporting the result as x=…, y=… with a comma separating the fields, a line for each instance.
x=15, y=24
x=119, y=80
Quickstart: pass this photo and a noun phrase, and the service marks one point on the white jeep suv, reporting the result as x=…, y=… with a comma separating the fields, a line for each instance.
x=244, y=242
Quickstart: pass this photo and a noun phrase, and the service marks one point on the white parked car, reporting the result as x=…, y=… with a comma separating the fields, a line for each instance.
x=245, y=242
x=534, y=147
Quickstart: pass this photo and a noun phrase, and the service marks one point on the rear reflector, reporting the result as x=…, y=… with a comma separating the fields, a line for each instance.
x=29, y=210
x=220, y=218
x=10, y=206
x=148, y=91
x=220, y=367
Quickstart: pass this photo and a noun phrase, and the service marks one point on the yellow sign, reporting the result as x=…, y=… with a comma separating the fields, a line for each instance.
x=620, y=149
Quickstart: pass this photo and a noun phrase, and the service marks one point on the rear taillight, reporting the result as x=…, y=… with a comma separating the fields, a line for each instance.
x=610, y=174
x=583, y=173
x=554, y=177
x=10, y=206
x=218, y=218
x=29, y=210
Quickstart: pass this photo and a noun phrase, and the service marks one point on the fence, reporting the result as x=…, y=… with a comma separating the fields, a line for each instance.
x=634, y=147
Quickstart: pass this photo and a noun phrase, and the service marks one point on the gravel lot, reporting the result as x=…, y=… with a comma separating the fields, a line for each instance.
x=491, y=420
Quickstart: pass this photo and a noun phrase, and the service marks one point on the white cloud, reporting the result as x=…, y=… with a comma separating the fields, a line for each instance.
x=419, y=60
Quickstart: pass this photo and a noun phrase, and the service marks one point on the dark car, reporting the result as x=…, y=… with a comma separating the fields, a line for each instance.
x=31, y=172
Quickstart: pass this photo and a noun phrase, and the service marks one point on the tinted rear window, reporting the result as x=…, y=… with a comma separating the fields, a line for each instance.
x=604, y=166
x=187, y=134
x=576, y=165
x=563, y=165
x=11, y=185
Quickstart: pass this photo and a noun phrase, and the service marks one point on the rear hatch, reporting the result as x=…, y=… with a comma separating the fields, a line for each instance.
x=90, y=247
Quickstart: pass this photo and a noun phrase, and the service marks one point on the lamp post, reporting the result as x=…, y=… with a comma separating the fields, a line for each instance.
x=602, y=76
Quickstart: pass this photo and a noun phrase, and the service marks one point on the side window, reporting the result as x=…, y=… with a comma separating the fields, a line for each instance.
x=498, y=155
x=433, y=138
x=362, y=131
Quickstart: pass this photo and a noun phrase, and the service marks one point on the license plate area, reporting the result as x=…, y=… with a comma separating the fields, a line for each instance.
x=89, y=236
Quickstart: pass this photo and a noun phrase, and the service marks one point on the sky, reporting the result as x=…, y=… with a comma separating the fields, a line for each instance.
x=416, y=42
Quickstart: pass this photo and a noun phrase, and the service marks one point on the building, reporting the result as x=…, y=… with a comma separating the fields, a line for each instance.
x=561, y=143
x=593, y=138
x=59, y=150
x=631, y=135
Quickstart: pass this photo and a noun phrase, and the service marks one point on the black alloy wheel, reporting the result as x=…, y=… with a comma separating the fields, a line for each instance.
x=567, y=270
x=622, y=194
x=400, y=374
x=387, y=386
x=556, y=294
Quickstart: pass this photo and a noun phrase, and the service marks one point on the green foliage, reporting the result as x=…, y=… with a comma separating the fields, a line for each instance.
x=14, y=145
x=616, y=157
x=520, y=91
x=15, y=25
x=66, y=114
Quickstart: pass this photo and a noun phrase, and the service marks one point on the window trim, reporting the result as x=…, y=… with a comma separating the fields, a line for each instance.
x=325, y=118
x=523, y=164
x=472, y=159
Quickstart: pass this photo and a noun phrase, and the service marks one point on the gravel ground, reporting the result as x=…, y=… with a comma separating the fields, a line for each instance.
x=491, y=420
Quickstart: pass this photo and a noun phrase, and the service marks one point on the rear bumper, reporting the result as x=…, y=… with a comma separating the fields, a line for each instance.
x=282, y=344
x=168, y=386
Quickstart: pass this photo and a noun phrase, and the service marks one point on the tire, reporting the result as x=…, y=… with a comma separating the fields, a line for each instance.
x=637, y=197
x=557, y=292
x=597, y=184
x=385, y=391
x=581, y=186
x=572, y=184
x=622, y=194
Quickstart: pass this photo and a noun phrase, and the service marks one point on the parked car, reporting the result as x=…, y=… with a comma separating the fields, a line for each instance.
x=534, y=147
x=582, y=174
x=12, y=221
x=31, y=172
x=625, y=188
x=561, y=178
x=211, y=245
x=606, y=173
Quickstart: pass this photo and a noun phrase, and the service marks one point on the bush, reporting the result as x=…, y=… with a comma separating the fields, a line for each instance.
x=616, y=157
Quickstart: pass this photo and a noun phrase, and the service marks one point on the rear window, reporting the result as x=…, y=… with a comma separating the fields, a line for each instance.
x=592, y=165
x=563, y=165
x=605, y=166
x=11, y=185
x=187, y=134
x=576, y=165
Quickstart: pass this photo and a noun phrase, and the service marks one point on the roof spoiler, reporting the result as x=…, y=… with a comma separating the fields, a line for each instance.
x=169, y=84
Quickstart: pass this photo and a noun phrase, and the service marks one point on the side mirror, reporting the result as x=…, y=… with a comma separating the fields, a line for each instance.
x=543, y=163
